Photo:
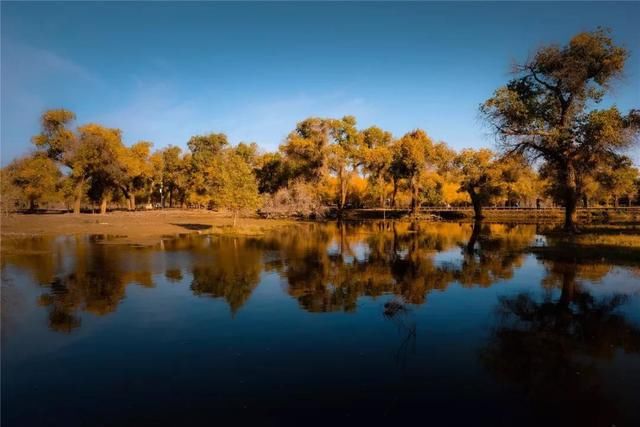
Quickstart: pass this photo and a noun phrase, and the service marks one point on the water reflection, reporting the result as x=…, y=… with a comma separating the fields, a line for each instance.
x=325, y=267
x=232, y=274
x=429, y=317
x=399, y=258
x=549, y=347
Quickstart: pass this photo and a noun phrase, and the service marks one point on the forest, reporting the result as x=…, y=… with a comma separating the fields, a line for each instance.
x=553, y=147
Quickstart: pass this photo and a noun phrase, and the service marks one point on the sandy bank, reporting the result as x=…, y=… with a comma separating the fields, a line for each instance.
x=134, y=227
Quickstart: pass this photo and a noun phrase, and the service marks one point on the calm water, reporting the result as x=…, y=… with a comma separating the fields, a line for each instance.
x=317, y=323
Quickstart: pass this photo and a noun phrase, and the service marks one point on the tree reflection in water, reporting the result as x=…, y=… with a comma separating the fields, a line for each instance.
x=325, y=267
x=549, y=347
x=397, y=312
x=232, y=274
x=325, y=272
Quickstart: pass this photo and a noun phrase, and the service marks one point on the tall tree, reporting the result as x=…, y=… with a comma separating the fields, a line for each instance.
x=60, y=144
x=98, y=161
x=413, y=155
x=376, y=159
x=174, y=174
x=205, y=149
x=480, y=177
x=138, y=172
x=544, y=111
x=343, y=154
x=305, y=149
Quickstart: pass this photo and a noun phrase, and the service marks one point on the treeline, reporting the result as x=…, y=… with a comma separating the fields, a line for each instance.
x=554, y=147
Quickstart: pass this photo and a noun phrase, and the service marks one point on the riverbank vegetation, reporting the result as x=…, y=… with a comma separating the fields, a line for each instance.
x=554, y=148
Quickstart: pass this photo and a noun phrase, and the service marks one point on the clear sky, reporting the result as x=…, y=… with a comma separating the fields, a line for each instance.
x=165, y=71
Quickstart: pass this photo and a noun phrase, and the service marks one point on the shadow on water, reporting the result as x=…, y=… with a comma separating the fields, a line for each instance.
x=193, y=227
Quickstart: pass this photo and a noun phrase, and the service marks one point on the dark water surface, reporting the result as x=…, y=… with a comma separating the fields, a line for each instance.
x=321, y=323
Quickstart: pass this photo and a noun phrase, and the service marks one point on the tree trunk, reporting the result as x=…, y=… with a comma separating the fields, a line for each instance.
x=32, y=205
x=395, y=192
x=103, y=205
x=615, y=201
x=570, y=215
x=570, y=200
x=78, y=197
x=132, y=201
x=477, y=205
x=342, y=196
x=384, y=213
x=414, y=195
x=235, y=218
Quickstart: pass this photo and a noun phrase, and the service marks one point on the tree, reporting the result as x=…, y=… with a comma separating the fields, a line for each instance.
x=376, y=159
x=60, y=144
x=36, y=179
x=518, y=181
x=204, y=151
x=480, y=177
x=248, y=152
x=234, y=186
x=305, y=149
x=544, y=111
x=272, y=172
x=204, y=148
x=138, y=172
x=618, y=179
x=343, y=154
x=412, y=156
x=55, y=138
x=174, y=174
x=97, y=161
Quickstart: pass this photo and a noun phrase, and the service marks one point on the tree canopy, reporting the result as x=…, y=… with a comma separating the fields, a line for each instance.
x=547, y=111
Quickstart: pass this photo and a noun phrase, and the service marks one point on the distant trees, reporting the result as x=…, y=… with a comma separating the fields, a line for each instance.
x=322, y=162
x=545, y=112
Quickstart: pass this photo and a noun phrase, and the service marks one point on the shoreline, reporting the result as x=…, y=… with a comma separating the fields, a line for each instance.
x=150, y=227
x=140, y=227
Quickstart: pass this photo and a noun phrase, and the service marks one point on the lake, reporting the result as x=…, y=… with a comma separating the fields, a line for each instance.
x=440, y=323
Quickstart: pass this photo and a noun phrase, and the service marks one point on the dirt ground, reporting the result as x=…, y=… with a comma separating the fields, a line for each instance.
x=134, y=227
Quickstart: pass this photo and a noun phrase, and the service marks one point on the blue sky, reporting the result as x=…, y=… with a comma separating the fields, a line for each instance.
x=165, y=71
